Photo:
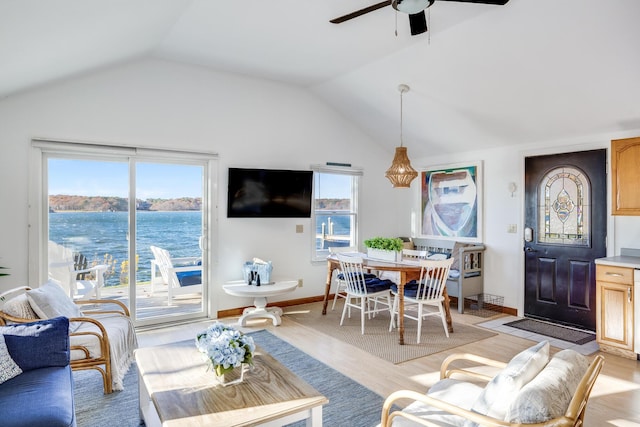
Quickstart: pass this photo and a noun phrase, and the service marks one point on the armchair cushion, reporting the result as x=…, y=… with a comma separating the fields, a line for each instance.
x=460, y=393
x=548, y=395
x=50, y=300
x=19, y=307
x=496, y=397
x=8, y=368
x=40, y=344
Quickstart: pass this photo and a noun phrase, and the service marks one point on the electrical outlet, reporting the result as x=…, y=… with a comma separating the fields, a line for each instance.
x=299, y=283
x=512, y=228
x=299, y=228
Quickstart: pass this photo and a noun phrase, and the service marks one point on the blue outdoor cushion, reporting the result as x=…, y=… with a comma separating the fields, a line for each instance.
x=410, y=289
x=366, y=276
x=38, y=344
x=188, y=278
x=39, y=398
x=377, y=285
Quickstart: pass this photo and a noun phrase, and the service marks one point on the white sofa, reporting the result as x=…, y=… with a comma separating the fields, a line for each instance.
x=466, y=277
x=531, y=389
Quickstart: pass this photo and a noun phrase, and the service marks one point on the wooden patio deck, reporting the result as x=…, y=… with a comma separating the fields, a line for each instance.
x=150, y=305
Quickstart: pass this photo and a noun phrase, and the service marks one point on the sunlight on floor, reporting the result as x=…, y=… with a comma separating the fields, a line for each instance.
x=614, y=386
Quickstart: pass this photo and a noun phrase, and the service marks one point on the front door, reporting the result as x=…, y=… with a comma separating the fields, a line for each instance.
x=565, y=231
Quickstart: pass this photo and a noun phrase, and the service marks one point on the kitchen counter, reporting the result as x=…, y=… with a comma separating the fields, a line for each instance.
x=629, y=257
x=620, y=261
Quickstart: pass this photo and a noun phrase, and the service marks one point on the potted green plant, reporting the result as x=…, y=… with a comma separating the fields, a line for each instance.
x=384, y=248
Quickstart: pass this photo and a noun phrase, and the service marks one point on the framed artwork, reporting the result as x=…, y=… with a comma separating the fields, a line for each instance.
x=451, y=202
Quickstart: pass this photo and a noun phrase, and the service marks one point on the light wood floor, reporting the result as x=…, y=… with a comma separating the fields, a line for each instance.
x=615, y=400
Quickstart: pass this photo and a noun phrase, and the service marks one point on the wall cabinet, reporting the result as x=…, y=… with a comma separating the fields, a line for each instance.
x=614, y=308
x=625, y=175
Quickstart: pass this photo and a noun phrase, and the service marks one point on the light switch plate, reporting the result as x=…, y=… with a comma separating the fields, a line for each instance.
x=299, y=228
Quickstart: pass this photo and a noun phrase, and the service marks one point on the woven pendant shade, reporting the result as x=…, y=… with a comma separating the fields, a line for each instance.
x=400, y=173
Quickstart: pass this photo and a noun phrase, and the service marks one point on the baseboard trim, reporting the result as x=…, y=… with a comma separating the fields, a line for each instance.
x=238, y=311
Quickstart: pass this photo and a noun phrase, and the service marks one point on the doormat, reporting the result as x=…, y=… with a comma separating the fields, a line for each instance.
x=560, y=332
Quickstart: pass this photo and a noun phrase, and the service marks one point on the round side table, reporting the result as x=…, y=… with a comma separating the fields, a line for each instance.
x=239, y=288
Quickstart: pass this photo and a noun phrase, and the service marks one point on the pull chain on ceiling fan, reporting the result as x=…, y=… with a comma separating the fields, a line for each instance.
x=414, y=8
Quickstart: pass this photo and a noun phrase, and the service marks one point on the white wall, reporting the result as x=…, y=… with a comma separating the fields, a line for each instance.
x=256, y=123
x=249, y=123
x=504, y=261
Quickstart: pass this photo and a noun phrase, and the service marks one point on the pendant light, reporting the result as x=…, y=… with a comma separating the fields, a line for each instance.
x=400, y=173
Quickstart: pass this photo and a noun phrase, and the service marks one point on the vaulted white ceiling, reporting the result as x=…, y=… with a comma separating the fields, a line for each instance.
x=483, y=76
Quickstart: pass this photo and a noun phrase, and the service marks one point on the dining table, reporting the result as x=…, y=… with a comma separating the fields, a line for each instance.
x=408, y=269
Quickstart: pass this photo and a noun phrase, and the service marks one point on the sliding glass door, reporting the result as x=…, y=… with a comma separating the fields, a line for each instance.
x=96, y=203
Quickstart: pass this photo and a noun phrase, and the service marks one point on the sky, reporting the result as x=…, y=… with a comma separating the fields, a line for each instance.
x=75, y=177
x=100, y=178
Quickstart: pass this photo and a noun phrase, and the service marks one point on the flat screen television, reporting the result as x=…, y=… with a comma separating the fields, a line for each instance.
x=269, y=193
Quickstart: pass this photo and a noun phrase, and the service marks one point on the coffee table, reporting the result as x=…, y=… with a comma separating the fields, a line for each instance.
x=177, y=390
x=259, y=294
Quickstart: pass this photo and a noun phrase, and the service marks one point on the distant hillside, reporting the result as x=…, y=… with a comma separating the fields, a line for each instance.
x=119, y=204
x=333, y=204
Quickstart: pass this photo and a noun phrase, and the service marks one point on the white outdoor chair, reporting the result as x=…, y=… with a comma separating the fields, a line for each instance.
x=364, y=291
x=427, y=292
x=62, y=270
x=180, y=275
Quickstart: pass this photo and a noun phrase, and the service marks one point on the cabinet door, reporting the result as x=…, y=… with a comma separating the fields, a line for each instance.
x=614, y=306
x=625, y=168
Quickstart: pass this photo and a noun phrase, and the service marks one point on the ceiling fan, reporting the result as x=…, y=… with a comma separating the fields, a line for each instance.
x=414, y=8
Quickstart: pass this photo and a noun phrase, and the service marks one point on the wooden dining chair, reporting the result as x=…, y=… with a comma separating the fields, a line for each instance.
x=365, y=291
x=427, y=292
x=341, y=284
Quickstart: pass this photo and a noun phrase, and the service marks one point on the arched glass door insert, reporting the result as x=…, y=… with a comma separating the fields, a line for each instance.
x=564, y=207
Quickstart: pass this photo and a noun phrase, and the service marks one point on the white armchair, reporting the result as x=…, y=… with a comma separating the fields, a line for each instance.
x=63, y=271
x=530, y=390
x=180, y=275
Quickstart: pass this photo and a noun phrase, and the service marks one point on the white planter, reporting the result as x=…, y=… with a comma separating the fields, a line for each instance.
x=383, y=255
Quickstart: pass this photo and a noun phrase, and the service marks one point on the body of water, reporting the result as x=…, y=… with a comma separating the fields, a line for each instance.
x=105, y=234
x=101, y=236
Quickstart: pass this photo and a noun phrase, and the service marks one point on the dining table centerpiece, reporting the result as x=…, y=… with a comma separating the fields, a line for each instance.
x=228, y=352
x=384, y=248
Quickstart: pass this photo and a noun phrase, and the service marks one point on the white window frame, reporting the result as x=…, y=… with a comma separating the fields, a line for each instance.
x=321, y=254
x=42, y=149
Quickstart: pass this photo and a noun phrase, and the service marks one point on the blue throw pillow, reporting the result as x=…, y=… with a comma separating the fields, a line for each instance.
x=38, y=344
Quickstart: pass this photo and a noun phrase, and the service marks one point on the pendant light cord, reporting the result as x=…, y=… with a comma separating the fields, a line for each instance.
x=401, y=118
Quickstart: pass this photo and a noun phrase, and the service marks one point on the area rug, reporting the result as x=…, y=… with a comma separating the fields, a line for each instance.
x=377, y=339
x=350, y=404
x=560, y=332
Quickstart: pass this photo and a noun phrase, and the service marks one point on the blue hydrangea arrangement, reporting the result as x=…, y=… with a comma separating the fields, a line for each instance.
x=225, y=348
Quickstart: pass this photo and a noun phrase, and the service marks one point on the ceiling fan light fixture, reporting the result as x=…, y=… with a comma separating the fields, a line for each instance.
x=411, y=6
x=400, y=173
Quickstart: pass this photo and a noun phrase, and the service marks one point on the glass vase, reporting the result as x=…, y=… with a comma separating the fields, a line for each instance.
x=234, y=376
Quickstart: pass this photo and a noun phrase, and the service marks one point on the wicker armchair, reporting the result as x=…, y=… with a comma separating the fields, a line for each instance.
x=454, y=409
x=102, y=337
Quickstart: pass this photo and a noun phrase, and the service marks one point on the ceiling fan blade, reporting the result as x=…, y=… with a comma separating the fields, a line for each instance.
x=496, y=2
x=360, y=12
x=418, y=23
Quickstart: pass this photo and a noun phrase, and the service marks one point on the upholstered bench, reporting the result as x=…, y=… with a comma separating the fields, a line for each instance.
x=466, y=277
x=530, y=389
